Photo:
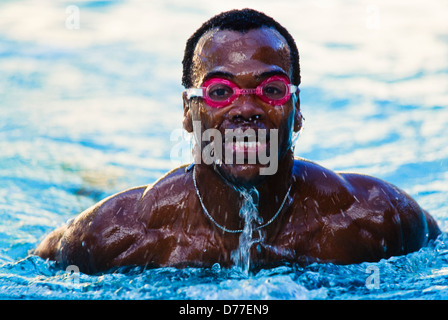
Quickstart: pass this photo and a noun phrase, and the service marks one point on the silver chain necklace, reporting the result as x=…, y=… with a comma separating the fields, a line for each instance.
x=238, y=230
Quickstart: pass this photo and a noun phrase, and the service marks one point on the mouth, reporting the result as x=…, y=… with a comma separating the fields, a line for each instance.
x=248, y=146
x=245, y=147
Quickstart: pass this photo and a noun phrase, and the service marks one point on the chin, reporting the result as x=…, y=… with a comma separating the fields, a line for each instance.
x=245, y=175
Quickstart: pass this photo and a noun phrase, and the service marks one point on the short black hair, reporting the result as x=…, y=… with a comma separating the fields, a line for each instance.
x=238, y=20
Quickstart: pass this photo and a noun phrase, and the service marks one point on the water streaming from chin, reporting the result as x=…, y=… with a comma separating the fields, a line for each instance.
x=250, y=235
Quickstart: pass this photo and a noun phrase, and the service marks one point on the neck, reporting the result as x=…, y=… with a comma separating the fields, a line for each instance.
x=223, y=198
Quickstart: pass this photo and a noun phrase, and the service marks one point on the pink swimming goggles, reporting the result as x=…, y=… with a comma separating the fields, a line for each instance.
x=220, y=92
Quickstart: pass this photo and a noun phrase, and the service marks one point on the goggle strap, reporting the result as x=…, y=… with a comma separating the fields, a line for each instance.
x=293, y=89
x=194, y=92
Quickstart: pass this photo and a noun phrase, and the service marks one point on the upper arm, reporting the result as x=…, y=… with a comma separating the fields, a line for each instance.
x=391, y=215
x=433, y=229
x=49, y=247
x=97, y=235
x=417, y=225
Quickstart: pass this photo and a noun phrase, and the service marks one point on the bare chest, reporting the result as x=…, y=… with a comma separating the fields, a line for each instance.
x=201, y=243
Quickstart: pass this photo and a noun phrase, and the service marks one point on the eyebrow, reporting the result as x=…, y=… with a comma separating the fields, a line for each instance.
x=271, y=73
x=218, y=74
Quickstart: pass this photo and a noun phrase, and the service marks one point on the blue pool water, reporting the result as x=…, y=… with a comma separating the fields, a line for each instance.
x=88, y=112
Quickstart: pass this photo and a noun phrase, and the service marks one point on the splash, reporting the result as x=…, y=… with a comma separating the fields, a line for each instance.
x=251, y=234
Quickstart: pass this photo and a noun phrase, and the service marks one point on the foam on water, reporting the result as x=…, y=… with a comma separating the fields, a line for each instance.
x=421, y=275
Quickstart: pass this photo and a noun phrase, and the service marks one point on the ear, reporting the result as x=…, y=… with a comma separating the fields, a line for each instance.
x=297, y=116
x=187, y=122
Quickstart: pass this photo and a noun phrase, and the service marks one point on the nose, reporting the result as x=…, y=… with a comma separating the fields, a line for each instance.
x=246, y=109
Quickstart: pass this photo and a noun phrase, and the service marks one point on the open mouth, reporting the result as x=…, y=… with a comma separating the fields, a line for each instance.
x=250, y=147
x=246, y=145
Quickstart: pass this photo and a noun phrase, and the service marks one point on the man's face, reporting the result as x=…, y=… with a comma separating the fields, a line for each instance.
x=245, y=59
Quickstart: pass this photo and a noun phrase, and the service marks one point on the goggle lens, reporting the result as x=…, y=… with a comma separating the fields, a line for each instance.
x=275, y=90
x=219, y=91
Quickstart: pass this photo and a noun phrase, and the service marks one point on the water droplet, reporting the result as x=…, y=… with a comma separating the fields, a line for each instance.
x=216, y=267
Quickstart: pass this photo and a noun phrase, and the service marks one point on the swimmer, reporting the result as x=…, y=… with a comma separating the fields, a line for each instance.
x=241, y=71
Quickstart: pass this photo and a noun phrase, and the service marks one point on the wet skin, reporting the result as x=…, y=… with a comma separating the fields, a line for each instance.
x=328, y=217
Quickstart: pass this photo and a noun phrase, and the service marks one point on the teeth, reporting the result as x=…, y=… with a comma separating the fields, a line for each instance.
x=247, y=144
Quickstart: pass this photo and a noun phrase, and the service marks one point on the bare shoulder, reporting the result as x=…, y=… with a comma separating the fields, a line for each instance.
x=162, y=200
x=102, y=232
x=99, y=233
x=169, y=181
x=416, y=226
x=89, y=218
x=372, y=217
x=322, y=185
x=361, y=190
